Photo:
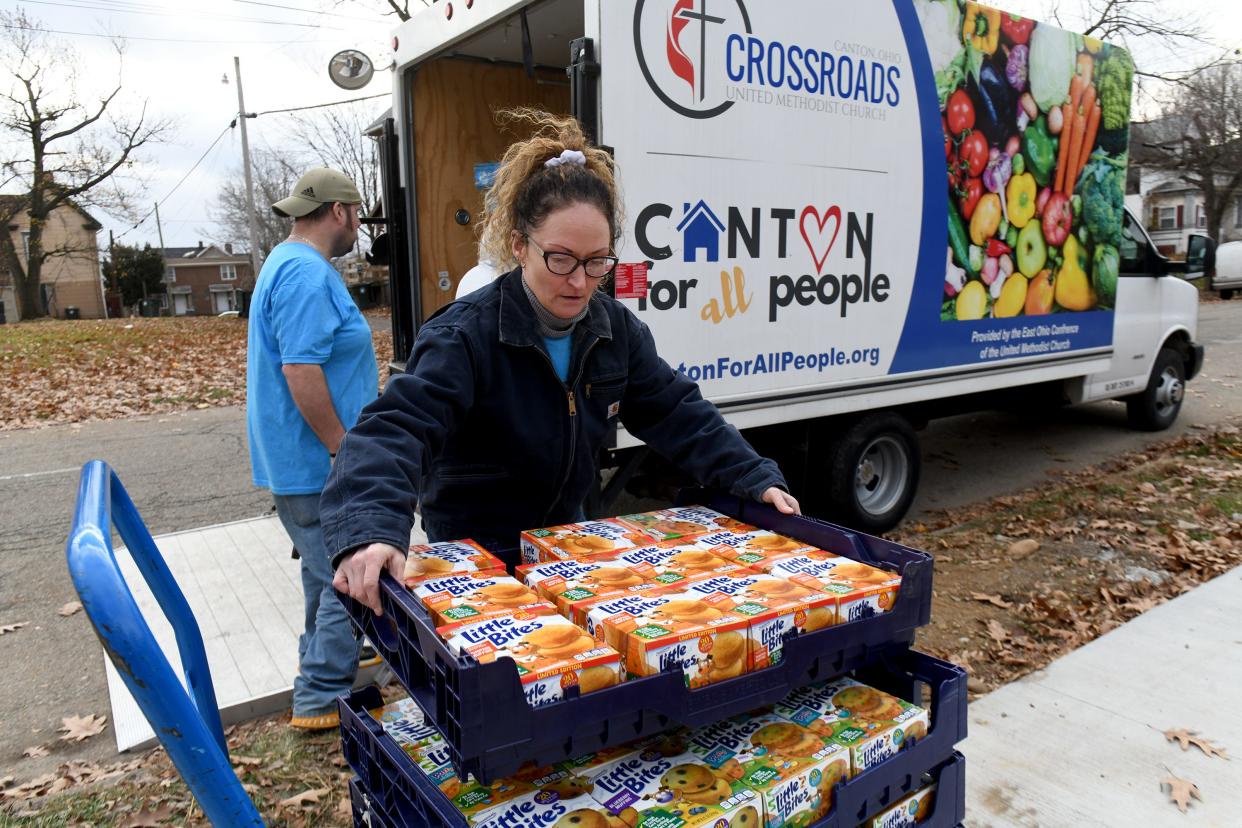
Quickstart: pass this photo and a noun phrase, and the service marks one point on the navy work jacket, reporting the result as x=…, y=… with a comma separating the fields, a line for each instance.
x=483, y=433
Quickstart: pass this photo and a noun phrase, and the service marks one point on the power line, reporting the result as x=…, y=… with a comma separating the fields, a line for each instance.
x=310, y=11
x=317, y=106
x=138, y=37
x=140, y=221
x=157, y=12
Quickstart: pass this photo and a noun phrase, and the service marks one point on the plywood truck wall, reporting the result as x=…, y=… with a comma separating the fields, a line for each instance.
x=454, y=101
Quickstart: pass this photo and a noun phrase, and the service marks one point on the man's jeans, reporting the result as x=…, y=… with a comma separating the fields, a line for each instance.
x=327, y=651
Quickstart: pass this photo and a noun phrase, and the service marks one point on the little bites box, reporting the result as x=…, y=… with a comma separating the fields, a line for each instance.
x=872, y=724
x=862, y=591
x=756, y=549
x=405, y=724
x=667, y=565
x=681, y=523
x=436, y=560
x=575, y=585
x=777, y=610
x=476, y=596
x=548, y=807
x=659, y=787
x=794, y=769
x=673, y=630
x=551, y=653
x=578, y=540
x=909, y=811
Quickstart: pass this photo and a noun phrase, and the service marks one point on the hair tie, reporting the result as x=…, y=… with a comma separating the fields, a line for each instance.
x=567, y=157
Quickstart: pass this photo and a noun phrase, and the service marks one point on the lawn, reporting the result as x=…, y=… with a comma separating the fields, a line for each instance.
x=55, y=371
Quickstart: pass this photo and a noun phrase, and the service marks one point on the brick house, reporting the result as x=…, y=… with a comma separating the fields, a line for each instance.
x=205, y=281
x=71, y=277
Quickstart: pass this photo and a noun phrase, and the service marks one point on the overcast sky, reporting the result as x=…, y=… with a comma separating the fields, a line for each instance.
x=178, y=52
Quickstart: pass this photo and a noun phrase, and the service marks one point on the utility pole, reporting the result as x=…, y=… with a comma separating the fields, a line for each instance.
x=159, y=228
x=254, y=228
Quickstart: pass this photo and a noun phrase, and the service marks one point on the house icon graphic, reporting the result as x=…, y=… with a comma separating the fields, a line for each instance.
x=700, y=230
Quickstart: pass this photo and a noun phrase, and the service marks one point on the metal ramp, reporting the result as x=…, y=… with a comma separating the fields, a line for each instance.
x=246, y=593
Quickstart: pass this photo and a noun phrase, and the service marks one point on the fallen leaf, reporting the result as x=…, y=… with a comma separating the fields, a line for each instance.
x=310, y=797
x=149, y=819
x=1181, y=791
x=1022, y=548
x=36, y=752
x=71, y=608
x=77, y=728
x=8, y=628
x=248, y=761
x=1186, y=738
x=994, y=600
x=345, y=808
x=997, y=631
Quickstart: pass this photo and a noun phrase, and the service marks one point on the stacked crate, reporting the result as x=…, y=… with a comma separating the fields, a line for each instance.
x=490, y=731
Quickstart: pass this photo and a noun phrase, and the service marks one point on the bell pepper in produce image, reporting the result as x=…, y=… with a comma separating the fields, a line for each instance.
x=1073, y=288
x=986, y=219
x=1016, y=29
x=1038, y=151
x=981, y=27
x=1020, y=196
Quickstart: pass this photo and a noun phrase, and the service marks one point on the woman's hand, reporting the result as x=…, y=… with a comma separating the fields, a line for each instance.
x=781, y=499
x=359, y=573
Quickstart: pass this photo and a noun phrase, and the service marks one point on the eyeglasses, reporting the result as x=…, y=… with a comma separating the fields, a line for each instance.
x=563, y=264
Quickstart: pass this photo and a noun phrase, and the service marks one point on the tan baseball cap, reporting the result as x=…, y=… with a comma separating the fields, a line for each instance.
x=316, y=187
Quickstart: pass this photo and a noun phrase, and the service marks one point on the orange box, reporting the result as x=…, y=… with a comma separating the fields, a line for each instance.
x=862, y=590
x=668, y=565
x=665, y=630
x=777, y=609
x=460, y=557
x=681, y=523
x=577, y=584
x=476, y=596
x=577, y=540
x=756, y=549
x=551, y=653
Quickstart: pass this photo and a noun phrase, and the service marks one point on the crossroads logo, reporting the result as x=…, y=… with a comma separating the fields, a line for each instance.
x=684, y=40
x=701, y=56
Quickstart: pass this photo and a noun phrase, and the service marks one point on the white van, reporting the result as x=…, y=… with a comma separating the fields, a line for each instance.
x=1227, y=277
x=852, y=217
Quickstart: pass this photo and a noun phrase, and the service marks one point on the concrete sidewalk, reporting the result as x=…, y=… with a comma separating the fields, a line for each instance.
x=1081, y=743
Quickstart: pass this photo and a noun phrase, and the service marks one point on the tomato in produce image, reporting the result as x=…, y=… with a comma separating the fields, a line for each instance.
x=974, y=153
x=960, y=113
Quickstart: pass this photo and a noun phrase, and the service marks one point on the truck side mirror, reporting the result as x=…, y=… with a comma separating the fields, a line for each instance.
x=1200, y=257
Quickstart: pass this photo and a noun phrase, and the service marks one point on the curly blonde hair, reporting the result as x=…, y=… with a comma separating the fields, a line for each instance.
x=525, y=191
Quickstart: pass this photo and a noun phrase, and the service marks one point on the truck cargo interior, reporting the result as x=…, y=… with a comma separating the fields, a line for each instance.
x=453, y=99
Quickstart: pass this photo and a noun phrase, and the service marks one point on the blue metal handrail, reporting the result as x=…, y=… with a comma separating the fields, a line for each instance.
x=186, y=723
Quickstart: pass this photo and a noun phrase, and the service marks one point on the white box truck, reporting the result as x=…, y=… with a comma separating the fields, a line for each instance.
x=853, y=217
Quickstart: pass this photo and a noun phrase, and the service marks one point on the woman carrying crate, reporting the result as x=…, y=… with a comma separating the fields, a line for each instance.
x=511, y=391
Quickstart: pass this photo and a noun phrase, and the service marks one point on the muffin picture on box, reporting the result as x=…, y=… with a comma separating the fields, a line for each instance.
x=476, y=596
x=577, y=540
x=461, y=557
x=551, y=653
x=681, y=523
x=674, y=631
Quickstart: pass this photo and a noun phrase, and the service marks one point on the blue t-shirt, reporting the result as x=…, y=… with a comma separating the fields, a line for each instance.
x=301, y=313
x=558, y=351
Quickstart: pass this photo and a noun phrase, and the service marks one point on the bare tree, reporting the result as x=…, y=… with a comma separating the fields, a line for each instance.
x=274, y=175
x=78, y=150
x=1198, y=140
x=401, y=8
x=334, y=137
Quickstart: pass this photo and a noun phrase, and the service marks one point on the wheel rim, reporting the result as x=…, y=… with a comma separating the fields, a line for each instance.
x=1169, y=392
x=882, y=474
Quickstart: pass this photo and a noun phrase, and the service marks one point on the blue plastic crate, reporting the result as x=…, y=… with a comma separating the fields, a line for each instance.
x=363, y=809
x=491, y=731
x=408, y=798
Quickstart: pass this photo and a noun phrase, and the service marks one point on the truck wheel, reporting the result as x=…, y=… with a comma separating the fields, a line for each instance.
x=1226, y=295
x=1157, y=407
x=873, y=472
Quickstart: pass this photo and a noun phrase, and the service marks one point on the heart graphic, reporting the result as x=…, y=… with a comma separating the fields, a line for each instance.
x=833, y=212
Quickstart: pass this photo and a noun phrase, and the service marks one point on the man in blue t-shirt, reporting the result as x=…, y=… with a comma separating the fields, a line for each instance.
x=310, y=368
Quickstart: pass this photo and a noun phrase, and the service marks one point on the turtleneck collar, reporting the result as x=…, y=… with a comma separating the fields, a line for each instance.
x=550, y=325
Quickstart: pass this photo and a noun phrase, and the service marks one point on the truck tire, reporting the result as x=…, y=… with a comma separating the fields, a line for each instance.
x=1226, y=294
x=1157, y=407
x=873, y=472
